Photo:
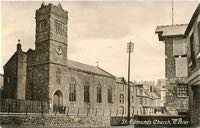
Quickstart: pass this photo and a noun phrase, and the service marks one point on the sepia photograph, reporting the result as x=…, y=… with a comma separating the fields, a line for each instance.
x=100, y=64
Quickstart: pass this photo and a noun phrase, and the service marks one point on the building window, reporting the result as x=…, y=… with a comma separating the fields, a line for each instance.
x=179, y=47
x=132, y=98
x=121, y=110
x=42, y=25
x=58, y=76
x=141, y=111
x=87, y=92
x=72, y=90
x=145, y=101
x=140, y=91
x=121, y=98
x=132, y=89
x=151, y=89
x=110, y=95
x=133, y=110
x=8, y=80
x=182, y=90
x=140, y=100
x=99, y=94
x=181, y=67
x=59, y=27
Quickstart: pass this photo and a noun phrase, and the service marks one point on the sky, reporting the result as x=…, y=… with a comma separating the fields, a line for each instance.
x=100, y=30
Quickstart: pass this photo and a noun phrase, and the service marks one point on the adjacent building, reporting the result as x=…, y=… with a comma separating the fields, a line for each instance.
x=160, y=90
x=176, y=71
x=122, y=94
x=1, y=85
x=147, y=101
x=122, y=97
x=182, y=50
x=192, y=37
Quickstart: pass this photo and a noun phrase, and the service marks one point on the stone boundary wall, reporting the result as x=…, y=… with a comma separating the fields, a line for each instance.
x=53, y=121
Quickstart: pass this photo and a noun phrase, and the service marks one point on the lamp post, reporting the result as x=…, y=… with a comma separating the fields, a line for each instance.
x=130, y=47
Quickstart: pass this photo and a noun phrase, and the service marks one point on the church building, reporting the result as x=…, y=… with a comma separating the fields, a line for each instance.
x=46, y=74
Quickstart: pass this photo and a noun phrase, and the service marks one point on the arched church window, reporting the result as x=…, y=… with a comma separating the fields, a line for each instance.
x=110, y=94
x=87, y=92
x=99, y=93
x=121, y=98
x=58, y=76
x=121, y=110
x=72, y=90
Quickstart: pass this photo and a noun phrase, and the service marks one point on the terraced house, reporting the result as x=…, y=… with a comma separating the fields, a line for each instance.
x=192, y=36
x=185, y=40
x=176, y=71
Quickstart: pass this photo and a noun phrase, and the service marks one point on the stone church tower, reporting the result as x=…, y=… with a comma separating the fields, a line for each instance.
x=50, y=53
x=51, y=34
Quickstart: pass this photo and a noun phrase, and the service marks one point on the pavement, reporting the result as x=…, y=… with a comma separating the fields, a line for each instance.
x=130, y=126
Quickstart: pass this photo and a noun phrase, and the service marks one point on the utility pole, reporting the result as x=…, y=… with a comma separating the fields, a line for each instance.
x=130, y=47
x=172, y=12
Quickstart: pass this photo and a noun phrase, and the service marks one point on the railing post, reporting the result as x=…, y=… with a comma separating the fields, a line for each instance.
x=103, y=112
x=110, y=112
x=8, y=109
x=78, y=111
x=117, y=113
x=87, y=111
x=56, y=110
x=42, y=108
x=64, y=110
x=67, y=111
x=26, y=109
x=96, y=112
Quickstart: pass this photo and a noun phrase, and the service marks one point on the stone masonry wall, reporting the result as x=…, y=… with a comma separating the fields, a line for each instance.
x=53, y=121
x=10, y=78
x=81, y=78
x=173, y=102
x=21, y=75
x=170, y=71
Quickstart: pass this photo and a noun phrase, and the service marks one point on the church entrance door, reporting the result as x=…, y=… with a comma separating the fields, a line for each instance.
x=57, y=101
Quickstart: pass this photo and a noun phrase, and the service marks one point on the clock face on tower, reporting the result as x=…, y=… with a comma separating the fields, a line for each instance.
x=59, y=50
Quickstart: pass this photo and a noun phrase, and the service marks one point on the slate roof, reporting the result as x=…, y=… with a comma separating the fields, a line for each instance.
x=145, y=94
x=121, y=80
x=88, y=68
x=171, y=30
x=155, y=96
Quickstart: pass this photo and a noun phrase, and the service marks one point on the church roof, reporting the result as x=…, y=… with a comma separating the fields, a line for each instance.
x=88, y=68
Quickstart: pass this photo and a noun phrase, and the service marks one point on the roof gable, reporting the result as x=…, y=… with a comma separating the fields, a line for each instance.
x=170, y=31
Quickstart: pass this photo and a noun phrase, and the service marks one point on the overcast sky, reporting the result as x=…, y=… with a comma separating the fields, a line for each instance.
x=100, y=30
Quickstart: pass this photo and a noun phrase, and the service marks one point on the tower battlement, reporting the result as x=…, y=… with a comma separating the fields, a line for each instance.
x=57, y=9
